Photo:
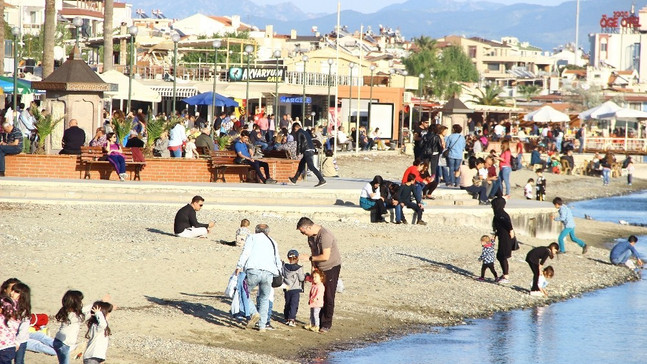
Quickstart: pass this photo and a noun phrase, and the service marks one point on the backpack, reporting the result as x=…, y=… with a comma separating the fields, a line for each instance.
x=514, y=163
x=430, y=144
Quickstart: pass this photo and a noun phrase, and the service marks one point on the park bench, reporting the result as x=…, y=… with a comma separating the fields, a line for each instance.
x=284, y=154
x=223, y=160
x=93, y=156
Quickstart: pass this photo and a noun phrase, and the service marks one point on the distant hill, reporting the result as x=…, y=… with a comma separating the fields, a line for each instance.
x=543, y=26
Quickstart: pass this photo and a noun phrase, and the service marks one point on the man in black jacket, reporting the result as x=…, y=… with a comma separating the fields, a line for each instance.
x=186, y=223
x=73, y=139
x=305, y=147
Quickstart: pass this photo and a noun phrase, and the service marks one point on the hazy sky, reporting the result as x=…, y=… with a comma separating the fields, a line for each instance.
x=369, y=6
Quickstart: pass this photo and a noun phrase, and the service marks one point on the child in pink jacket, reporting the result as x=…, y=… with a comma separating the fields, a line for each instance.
x=316, y=299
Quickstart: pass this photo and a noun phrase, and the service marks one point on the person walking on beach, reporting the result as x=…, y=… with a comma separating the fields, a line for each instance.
x=622, y=252
x=261, y=262
x=307, y=149
x=566, y=217
x=535, y=259
x=325, y=256
x=186, y=223
x=502, y=226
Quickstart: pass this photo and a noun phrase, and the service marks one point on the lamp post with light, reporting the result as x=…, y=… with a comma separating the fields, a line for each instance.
x=277, y=55
x=216, y=44
x=248, y=50
x=175, y=38
x=78, y=23
x=303, y=102
x=132, y=30
x=15, y=31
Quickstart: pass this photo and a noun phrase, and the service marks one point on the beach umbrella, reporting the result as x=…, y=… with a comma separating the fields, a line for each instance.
x=546, y=114
x=24, y=87
x=594, y=113
x=206, y=98
x=624, y=114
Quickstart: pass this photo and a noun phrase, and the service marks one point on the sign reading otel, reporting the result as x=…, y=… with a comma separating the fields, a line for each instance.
x=620, y=19
x=256, y=74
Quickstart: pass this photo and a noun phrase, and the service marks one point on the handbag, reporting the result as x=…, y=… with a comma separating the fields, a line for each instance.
x=446, y=151
x=515, y=243
x=277, y=280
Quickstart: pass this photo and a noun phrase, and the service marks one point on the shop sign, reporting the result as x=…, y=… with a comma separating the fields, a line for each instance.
x=620, y=19
x=256, y=74
x=294, y=100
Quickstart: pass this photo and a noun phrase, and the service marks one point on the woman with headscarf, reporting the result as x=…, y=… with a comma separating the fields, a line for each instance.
x=502, y=227
x=371, y=199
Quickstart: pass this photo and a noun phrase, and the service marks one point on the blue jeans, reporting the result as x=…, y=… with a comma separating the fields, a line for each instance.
x=62, y=352
x=270, y=306
x=418, y=190
x=40, y=343
x=7, y=355
x=118, y=162
x=571, y=233
x=176, y=153
x=262, y=279
x=20, y=354
x=623, y=258
x=504, y=176
x=495, y=188
x=7, y=150
x=606, y=175
x=454, y=165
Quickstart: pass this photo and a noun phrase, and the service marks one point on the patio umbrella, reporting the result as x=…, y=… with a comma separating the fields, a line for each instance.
x=206, y=98
x=624, y=113
x=594, y=113
x=24, y=87
x=546, y=114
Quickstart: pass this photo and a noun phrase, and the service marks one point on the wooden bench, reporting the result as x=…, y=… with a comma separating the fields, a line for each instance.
x=91, y=156
x=284, y=154
x=222, y=160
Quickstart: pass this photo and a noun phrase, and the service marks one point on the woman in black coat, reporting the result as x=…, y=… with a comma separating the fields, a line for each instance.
x=502, y=226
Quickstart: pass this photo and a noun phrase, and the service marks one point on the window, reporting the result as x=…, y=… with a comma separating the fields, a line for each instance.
x=472, y=51
x=493, y=67
x=33, y=17
x=603, y=47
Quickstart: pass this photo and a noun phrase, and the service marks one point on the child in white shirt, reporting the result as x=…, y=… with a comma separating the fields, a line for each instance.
x=242, y=233
x=528, y=189
x=190, y=150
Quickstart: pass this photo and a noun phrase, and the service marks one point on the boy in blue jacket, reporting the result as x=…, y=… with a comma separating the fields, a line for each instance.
x=566, y=217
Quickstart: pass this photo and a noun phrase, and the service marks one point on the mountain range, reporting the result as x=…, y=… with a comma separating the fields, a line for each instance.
x=543, y=26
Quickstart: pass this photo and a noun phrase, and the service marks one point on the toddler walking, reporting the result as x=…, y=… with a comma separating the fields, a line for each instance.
x=316, y=299
x=293, y=277
x=487, y=257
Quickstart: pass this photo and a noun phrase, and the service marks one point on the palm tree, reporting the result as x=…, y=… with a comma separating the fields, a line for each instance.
x=489, y=96
x=49, y=37
x=108, y=11
x=424, y=42
x=528, y=91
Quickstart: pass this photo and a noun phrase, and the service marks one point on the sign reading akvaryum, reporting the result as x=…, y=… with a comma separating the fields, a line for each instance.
x=256, y=74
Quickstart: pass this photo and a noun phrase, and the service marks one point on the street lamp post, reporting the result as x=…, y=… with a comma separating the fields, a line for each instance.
x=350, y=97
x=248, y=49
x=303, y=102
x=175, y=38
x=370, y=100
x=330, y=62
x=277, y=55
x=78, y=23
x=15, y=31
x=132, y=30
x=421, y=77
x=216, y=44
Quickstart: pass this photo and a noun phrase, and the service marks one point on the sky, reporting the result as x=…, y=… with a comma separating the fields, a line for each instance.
x=370, y=6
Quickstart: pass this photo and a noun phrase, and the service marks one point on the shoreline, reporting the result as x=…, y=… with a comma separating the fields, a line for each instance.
x=399, y=279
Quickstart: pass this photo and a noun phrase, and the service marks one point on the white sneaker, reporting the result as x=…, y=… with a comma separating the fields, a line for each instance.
x=630, y=264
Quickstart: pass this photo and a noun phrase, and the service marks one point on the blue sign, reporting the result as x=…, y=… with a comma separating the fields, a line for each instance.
x=294, y=100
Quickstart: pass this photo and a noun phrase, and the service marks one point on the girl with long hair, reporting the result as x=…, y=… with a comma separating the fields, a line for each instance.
x=116, y=155
x=97, y=334
x=505, y=166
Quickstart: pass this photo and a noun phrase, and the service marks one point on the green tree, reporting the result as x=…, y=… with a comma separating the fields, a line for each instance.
x=488, y=96
x=528, y=91
x=422, y=60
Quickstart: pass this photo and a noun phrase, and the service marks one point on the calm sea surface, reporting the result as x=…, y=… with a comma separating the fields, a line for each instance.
x=606, y=326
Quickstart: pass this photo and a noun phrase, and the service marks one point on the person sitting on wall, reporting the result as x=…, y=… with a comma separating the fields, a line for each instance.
x=10, y=143
x=204, y=140
x=73, y=139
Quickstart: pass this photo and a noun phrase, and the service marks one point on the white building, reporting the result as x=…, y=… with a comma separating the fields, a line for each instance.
x=622, y=45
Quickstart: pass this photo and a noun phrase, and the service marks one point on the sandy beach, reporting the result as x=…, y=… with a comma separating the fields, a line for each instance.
x=397, y=278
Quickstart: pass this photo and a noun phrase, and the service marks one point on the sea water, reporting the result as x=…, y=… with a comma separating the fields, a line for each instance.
x=606, y=326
